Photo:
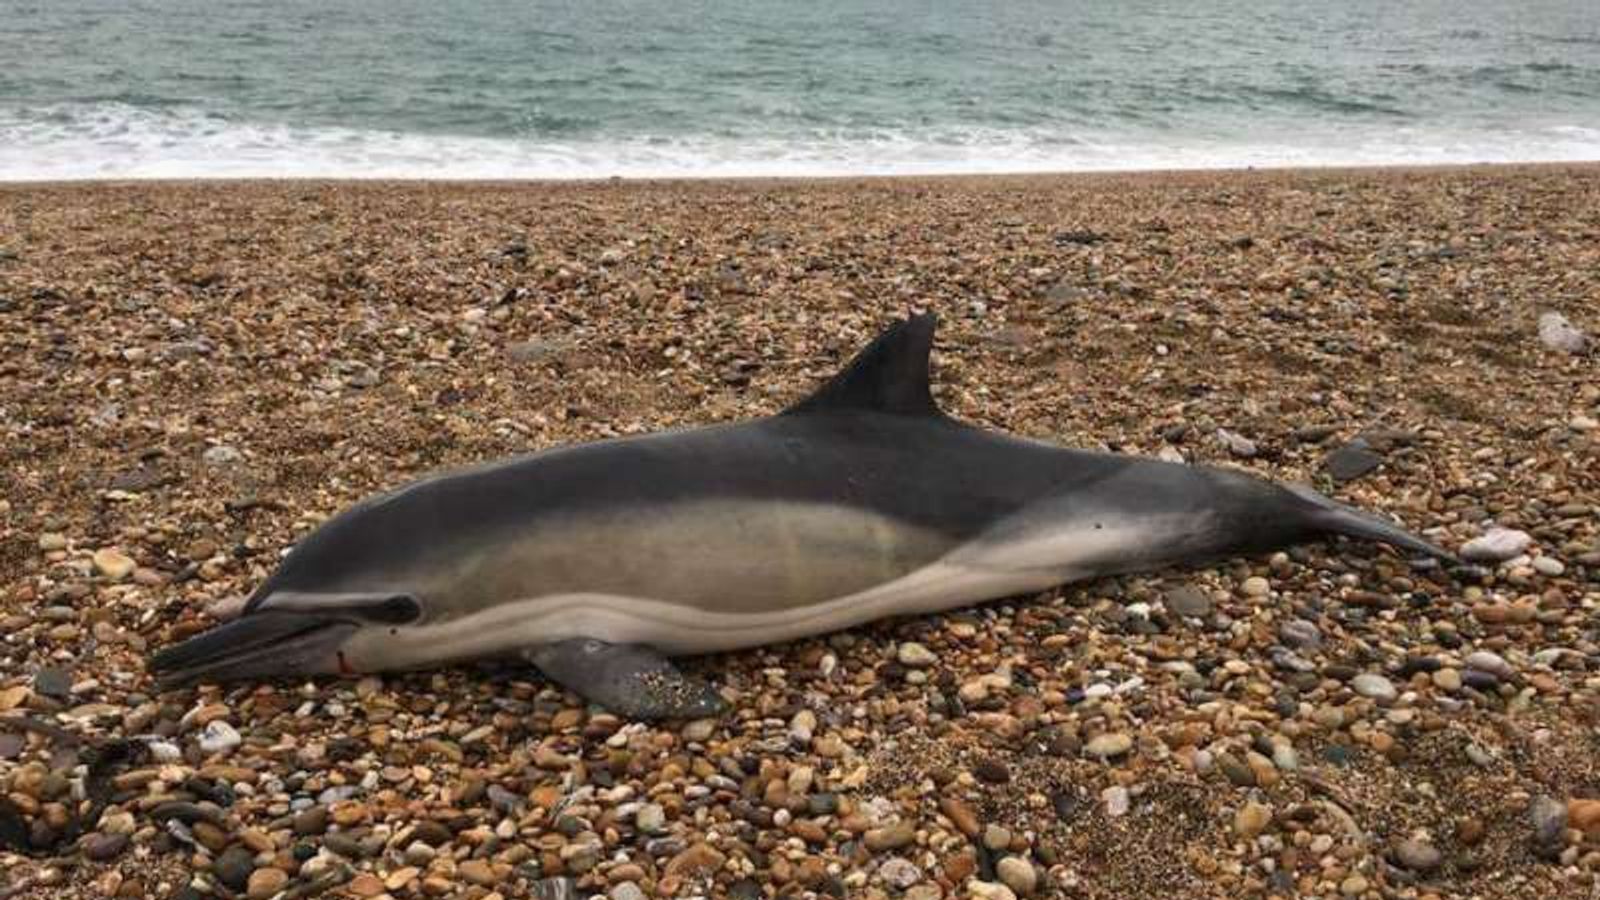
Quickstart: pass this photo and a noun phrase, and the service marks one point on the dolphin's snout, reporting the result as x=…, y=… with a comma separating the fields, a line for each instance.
x=265, y=644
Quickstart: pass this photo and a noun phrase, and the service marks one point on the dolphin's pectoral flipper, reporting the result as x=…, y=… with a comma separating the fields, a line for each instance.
x=631, y=680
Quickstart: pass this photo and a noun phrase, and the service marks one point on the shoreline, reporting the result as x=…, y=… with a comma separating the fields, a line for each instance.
x=193, y=373
x=619, y=180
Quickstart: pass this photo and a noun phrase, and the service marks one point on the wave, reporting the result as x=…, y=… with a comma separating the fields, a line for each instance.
x=118, y=141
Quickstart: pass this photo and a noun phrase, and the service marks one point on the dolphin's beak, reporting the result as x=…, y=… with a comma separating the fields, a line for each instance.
x=264, y=644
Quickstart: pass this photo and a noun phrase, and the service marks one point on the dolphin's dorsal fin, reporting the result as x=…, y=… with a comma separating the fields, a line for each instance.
x=889, y=376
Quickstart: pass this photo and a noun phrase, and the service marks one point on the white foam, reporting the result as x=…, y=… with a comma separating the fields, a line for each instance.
x=112, y=141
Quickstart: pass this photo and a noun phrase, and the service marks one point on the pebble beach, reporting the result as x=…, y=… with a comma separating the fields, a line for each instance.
x=194, y=374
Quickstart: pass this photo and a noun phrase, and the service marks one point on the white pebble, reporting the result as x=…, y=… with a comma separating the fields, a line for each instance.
x=1548, y=565
x=1557, y=333
x=1497, y=545
x=1116, y=801
x=219, y=737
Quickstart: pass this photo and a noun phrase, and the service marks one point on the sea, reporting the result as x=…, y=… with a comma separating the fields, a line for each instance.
x=491, y=89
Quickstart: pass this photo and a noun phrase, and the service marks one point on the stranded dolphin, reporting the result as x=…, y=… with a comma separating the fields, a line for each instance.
x=597, y=562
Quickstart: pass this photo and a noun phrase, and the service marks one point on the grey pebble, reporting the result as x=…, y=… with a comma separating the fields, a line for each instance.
x=1189, y=601
x=1351, y=461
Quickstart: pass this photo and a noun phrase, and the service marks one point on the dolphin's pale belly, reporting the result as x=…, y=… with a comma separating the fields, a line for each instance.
x=680, y=614
x=715, y=556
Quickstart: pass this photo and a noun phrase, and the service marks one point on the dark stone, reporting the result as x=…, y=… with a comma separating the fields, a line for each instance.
x=311, y=821
x=823, y=804
x=233, y=867
x=53, y=682
x=1315, y=434
x=991, y=770
x=1415, y=664
x=1350, y=462
x=1340, y=671
x=431, y=833
x=101, y=847
x=1066, y=806
x=1549, y=818
x=344, y=844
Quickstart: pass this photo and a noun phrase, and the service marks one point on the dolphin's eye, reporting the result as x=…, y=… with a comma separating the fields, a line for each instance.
x=396, y=610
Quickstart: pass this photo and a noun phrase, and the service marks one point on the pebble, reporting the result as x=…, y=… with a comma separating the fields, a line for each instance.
x=650, y=819
x=1251, y=819
x=914, y=655
x=1418, y=855
x=961, y=815
x=986, y=890
x=991, y=770
x=1548, y=566
x=1017, y=874
x=699, y=730
x=1549, y=819
x=1493, y=663
x=1108, y=745
x=234, y=866
x=899, y=873
x=626, y=890
x=265, y=883
x=478, y=872
x=1374, y=687
x=53, y=682
x=1584, y=815
x=219, y=737
x=1189, y=600
x=1300, y=634
x=891, y=837
x=1115, y=800
x=1557, y=333
x=220, y=455
x=101, y=847
x=1237, y=444
x=113, y=563
x=1496, y=545
x=312, y=820
x=1353, y=885
x=1351, y=462
x=1255, y=586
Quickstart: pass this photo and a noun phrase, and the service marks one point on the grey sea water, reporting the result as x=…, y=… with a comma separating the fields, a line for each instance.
x=539, y=88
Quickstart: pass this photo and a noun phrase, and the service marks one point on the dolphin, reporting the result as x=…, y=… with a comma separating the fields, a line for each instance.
x=599, y=562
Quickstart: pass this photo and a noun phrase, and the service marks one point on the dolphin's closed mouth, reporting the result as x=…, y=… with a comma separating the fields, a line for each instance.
x=259, y=645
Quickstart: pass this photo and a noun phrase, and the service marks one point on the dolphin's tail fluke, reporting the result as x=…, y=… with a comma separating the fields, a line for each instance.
x=1333, y=517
